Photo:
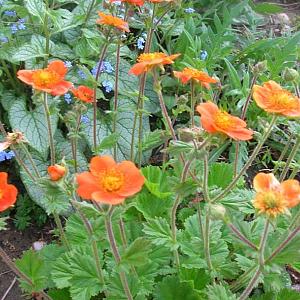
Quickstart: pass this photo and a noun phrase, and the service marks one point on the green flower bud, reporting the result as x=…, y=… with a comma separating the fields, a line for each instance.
x=290, y=74
x=260, y=67
x=218, y=212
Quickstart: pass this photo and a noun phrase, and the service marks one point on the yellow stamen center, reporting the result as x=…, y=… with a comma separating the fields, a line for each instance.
x=284, y=100
x=150, y=56
x=223, y=120
x=112, y=181
x=45, y=78
x=271, y=200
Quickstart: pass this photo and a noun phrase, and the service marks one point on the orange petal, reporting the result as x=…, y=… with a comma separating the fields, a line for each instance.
x=58, y=67
x=138, y=68
x=240, y=134
x=107, y=198
x=101, y=164
x=291, y=191
x=86, y=185
x=26, y=76
x=263, y=182
x=207, y=112
x=134, y=179
x=61, y=88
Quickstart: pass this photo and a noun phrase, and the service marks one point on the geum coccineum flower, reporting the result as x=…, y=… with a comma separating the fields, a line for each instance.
x=109, y=182
x=272, y=197
x=272, y=98
x=215, y=120
x=148, y=61
x=8, y=192
x=197, y=76
x=112, y=21
x=50, y=80
x=133, y=2
x=83, y=93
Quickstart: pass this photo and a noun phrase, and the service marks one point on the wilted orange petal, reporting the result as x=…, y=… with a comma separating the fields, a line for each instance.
x=263, y=182
x=291, y=192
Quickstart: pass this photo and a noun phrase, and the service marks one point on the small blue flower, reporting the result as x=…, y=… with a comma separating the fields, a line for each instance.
x=10, y=13
x=140, y=43
x=203, y=55
x=117, y=3
x=81, y=74
x=107, y=85
x=2, y=156
x=84, y=119
x=144, y=35
x=107, y=67
x=14, y=28
x=10, y=155
x=3, y=39
x=22, y=20
x=68, y=64
x=68, y=98
x=189, y=10
x=21, y=26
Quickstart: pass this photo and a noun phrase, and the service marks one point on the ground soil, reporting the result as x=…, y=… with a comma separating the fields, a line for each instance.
x=14, y=242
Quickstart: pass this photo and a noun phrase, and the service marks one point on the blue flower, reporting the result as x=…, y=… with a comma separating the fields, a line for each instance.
x=10, y=155
x=84, y=119
x=3, y=39
x=81, y=74
x=6, y=155
x=140, y=43
x=14, y=28
x=21, y=26
x=189, y=10
x=68, y=64
x=107, y=67
x=68, y=98
x=144, y=35
x=10, y=13
x=107, y=85
x=203, y=55
x=22, y=20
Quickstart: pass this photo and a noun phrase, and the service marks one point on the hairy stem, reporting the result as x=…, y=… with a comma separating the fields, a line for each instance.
x=241, y=237
x=115, y=251
x=28, y=154
x=49, y=127
x=283, y=153
x=251, y=285
x=61, y=231
x=192, y=113
x=248, y=163
x=6, y=259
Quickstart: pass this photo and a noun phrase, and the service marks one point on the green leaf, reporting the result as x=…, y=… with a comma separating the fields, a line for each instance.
x=137, y=253
x=220, y=174
x=32, y=124
x=198, y=277
x=3, y=223
x=219, y=291
x=233, y=75
x=172, y=289
x=159, y=232
x=108, y=142
x=156, y=182
x=60, y=294
x=266, y=8
x=36, y=8
x=34, y=268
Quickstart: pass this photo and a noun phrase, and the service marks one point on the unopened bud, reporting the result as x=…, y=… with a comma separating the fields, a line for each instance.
x=290, y=74
x=56, y=172
x=260, y=67
x=218, y=211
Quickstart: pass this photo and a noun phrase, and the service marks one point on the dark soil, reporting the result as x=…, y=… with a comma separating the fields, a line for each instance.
x=14, y=242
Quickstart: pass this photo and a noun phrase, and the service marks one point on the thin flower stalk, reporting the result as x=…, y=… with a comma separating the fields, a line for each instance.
x=243, y=115
x=242, y=280
x=249, y=162
x=290, y=159
x=49, y=127
x=261, y=261
x=6, y=259
x=90, y=232
x=101, y=58
x=62, y=235
x=28, y=154
x=283, y=153
x=74, y=141
x=192, y=113
x=115, y=251
x=241, y=237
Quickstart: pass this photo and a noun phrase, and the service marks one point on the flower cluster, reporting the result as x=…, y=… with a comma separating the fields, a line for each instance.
x=6, y=155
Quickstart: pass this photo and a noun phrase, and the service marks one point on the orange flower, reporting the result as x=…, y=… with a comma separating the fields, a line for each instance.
x=201, y=77
x=133, y=2
x=83, y=93
x=272, y=98
x=274, y=198
x=109, y=182
x=8, y=192
x=112, y=21
x=50, y=80
x=147, y=61
x=216, y=121
x=56, y=172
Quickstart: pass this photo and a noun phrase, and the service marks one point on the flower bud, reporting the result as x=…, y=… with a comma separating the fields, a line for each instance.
x=290, y=74
x=56, y=172
x=218, y=211
x=260, y=67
